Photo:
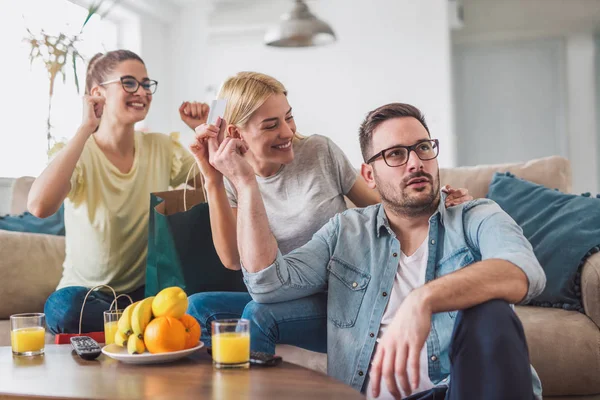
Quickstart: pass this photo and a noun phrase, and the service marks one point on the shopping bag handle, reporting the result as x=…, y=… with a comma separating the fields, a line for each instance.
x=115, y=301
x=187, y=179
x=111, y=304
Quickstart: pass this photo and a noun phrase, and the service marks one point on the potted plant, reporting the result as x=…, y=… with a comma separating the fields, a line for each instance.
x=59, y=54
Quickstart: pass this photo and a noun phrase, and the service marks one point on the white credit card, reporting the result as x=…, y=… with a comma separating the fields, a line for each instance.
x=217, y=109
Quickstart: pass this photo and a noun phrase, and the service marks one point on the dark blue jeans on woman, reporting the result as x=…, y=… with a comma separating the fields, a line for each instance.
x=301, y=322
x=63, y=308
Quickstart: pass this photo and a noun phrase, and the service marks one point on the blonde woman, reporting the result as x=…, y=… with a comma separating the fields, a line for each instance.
x=303, y=181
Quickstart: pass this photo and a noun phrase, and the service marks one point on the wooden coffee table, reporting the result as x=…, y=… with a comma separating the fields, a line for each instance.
x=61, y=374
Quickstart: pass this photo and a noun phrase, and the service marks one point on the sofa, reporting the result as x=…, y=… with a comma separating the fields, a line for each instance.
x=564, y=345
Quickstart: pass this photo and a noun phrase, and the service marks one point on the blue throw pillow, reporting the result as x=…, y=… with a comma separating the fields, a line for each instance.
x=562, y=228
x=26, y=222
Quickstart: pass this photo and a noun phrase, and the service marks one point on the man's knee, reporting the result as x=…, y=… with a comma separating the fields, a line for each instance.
x=488, y=312
x=492, y=320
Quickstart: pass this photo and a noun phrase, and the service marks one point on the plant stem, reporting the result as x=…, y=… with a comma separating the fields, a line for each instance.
x=48, y=125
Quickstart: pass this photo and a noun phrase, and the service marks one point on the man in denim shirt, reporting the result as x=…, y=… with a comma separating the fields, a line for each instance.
x=404, y=314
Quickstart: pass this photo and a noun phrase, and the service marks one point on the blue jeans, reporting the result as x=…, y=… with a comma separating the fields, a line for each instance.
x=301, y=322
x=489, y=357
x=63, y=308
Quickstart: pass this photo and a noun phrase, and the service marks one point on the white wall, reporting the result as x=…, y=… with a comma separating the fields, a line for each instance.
x=154, y=44
x=387, y=51
x=186, y=58
x=517, y=19
x=510, y=101
x=490, y=23
x=597, y=75
x=581, y=100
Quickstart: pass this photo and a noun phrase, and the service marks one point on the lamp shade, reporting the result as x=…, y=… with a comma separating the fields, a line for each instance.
x=299, y=28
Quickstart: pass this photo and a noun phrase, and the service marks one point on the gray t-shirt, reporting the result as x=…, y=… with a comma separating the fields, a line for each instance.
x=305, y=194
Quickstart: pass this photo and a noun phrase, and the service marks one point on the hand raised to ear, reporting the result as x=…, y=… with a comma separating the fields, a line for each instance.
x=206, y=141
x=230, y=161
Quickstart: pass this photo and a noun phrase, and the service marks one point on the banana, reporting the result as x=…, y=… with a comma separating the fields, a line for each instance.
x=135, y=345
x=141, y=316
x=124, y=324
x=120, y=339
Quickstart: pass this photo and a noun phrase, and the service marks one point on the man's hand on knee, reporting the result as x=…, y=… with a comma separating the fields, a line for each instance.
x=398, y=351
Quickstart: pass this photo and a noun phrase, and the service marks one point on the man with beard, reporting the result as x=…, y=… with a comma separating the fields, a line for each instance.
x=405, y=314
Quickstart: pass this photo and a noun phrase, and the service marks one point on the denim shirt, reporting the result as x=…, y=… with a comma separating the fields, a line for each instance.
x=355, y=258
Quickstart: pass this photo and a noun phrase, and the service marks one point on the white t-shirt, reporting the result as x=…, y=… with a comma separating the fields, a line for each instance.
x=410, y=275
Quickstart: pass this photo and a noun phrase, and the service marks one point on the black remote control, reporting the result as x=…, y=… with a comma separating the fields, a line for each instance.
x=86, y=347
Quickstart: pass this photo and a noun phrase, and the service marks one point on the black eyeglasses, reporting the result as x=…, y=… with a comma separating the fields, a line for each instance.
x=131, y=85
x=396, y=156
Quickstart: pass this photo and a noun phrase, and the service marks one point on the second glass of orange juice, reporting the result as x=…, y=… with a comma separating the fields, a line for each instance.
x=111, y=321
x=231, y=343
x=27, y=334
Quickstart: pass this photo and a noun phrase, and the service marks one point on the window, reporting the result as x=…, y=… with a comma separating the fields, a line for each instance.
x=24, y=89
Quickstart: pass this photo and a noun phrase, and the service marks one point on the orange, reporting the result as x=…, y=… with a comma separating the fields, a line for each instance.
x=192, y=330
x=164, y=334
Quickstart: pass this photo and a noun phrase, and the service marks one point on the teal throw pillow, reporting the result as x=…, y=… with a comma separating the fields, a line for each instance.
x=26, y=222
x=563, y=229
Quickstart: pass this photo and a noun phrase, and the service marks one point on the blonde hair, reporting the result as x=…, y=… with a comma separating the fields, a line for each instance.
x=245, y=92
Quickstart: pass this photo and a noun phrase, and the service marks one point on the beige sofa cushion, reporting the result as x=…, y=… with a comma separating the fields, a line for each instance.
x=30, y=267
x=564, y=349
x=553, y=172
x=590, y=289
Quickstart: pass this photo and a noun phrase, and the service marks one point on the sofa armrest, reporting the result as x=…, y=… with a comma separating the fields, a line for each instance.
x=30, y=267
x=590, y=287
x=20, y=192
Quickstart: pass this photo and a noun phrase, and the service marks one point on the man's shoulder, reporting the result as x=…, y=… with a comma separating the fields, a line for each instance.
x=359, y=215
x=352, y=222
x=473, y=212
x=362, y=212
x=483, y=206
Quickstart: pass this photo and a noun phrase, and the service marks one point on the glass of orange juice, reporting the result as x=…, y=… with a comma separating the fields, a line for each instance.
x=111, y=320
x=27, y=334
x=231, y=343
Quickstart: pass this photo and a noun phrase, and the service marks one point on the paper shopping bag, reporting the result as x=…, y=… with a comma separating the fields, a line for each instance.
x=180, y=246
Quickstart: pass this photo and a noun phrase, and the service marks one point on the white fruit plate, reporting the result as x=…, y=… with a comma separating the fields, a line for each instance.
x=121, y=354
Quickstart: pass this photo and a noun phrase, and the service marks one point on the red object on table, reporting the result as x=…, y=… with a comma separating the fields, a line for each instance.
x=65, y=338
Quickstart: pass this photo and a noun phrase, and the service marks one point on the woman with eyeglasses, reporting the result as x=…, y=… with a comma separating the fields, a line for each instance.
x=104, y=176
x=302, y=180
